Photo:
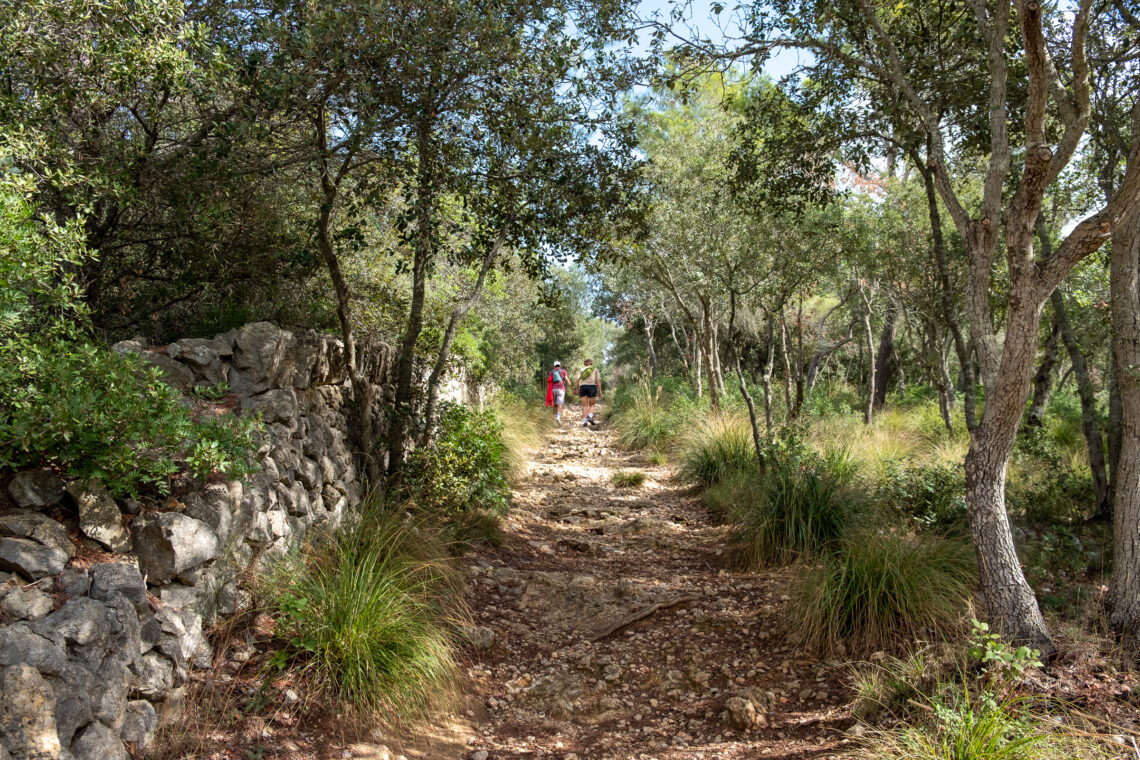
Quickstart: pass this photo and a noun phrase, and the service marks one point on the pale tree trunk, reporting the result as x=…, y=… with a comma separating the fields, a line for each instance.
x=1124, y=593
x=732, y=338
x=716, y=355
x=1087, y=395
x=1043, y=378
x=705, y=339
x=869, y=335
x=787, y=367
x=457, y=313
x=683, y=353
x=649, y=325
x=769, y=365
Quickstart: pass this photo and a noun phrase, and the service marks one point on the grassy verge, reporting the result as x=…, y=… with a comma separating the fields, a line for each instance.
x=366, y=614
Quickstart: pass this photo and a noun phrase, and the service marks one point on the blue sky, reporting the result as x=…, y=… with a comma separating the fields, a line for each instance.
x=700, y=19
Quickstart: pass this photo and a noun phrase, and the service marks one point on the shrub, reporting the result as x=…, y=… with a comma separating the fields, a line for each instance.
x=363, y=617
x=628, y=479
x=464, y=467
x=931, y=494
x=717, y=446
x=646, y=420
x=790, y=509
x=881, y=590
x=658, y=458
x=68, y=402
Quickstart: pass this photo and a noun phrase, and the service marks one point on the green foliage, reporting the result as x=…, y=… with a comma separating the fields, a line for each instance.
x=628, y=479
x=716, y=446
x=524, y=427
x=68, y=402
x=364, y=615
x=788, y=510
x=880, y=590
x=932, y=494
x=658, y=458
x=646, y=420
x=465, y=466
x=1002, y=661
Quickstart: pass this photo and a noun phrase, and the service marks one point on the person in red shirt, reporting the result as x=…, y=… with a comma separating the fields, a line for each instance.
x=556, y=390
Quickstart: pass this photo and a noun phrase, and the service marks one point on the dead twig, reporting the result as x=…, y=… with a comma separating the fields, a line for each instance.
x=641, y=614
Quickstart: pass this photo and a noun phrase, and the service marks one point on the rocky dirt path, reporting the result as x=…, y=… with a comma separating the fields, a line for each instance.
x=706, y=675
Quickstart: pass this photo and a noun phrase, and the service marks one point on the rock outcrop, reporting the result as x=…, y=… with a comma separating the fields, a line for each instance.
x=94, y=655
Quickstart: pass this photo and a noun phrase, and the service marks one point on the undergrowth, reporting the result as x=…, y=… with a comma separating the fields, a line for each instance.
x=364, y=616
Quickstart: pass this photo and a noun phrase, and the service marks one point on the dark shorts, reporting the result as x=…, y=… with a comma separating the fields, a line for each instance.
x=588, y=391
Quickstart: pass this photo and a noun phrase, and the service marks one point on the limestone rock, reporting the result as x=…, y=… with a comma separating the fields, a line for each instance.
x=99, y=515
x=203, y=357
x=27, y=715
x=22, y=523
x=79, y=622
x=480, y=637
x=169, y=543
x=26, y=604
x=259, y=357
x=154, y=677
x=276, y=405
x=139, y=723
x=74, y=581
x=174, y=373
x=30, y=558
x=36, y=489
x=97, y=742
x=119, y=578
x=20, y=644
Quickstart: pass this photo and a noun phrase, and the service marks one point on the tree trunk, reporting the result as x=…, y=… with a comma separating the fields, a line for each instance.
x=732, y=338
x=457, y=313
x=885, y=356
x=424, y=247
x=1115, y=422
x=1043, y=378
x=787, y=367
x=649, y=326
x=869, y=409
x=1124, y=593
x=1088, y=405
x=708, y=347
x=683, y=354
x=1010, y=603
x=769, y=364
x=949, y=313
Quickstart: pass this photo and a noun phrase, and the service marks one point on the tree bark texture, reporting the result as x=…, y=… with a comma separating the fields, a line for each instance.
x=1124, y=592
x=1043, y=377
x=885, y=359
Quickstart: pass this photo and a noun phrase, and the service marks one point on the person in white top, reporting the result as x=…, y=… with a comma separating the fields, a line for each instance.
x=588, y=386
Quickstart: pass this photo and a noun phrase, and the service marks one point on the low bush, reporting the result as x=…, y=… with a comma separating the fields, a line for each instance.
x=69, y=402
x=363, y=617
x=658, y=458
x=932, y=494
x=628, y=479
x=882, y=590
x=465, y=466
x=788, y=510
x=717, y=446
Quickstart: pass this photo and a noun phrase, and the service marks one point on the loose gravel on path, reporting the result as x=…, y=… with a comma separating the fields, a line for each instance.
x=708, y=678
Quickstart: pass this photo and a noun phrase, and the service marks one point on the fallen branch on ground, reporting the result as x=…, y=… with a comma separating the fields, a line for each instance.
x=643, y=614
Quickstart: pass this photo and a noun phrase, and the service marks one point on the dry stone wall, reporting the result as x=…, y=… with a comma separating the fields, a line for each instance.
x=103, y=601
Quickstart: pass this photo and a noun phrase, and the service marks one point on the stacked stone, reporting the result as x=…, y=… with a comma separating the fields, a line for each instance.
x=92, y=658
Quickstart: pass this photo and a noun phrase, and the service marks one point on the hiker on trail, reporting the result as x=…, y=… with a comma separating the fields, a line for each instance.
x=589, y=388
x=556, y=390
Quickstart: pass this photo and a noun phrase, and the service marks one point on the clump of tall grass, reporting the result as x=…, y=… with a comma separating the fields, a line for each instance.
x=717, y=446
x=789, y=509
x=628, y=478
x=648, y=420
x=524, y=428
x=365, y=616
x=880, y=590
